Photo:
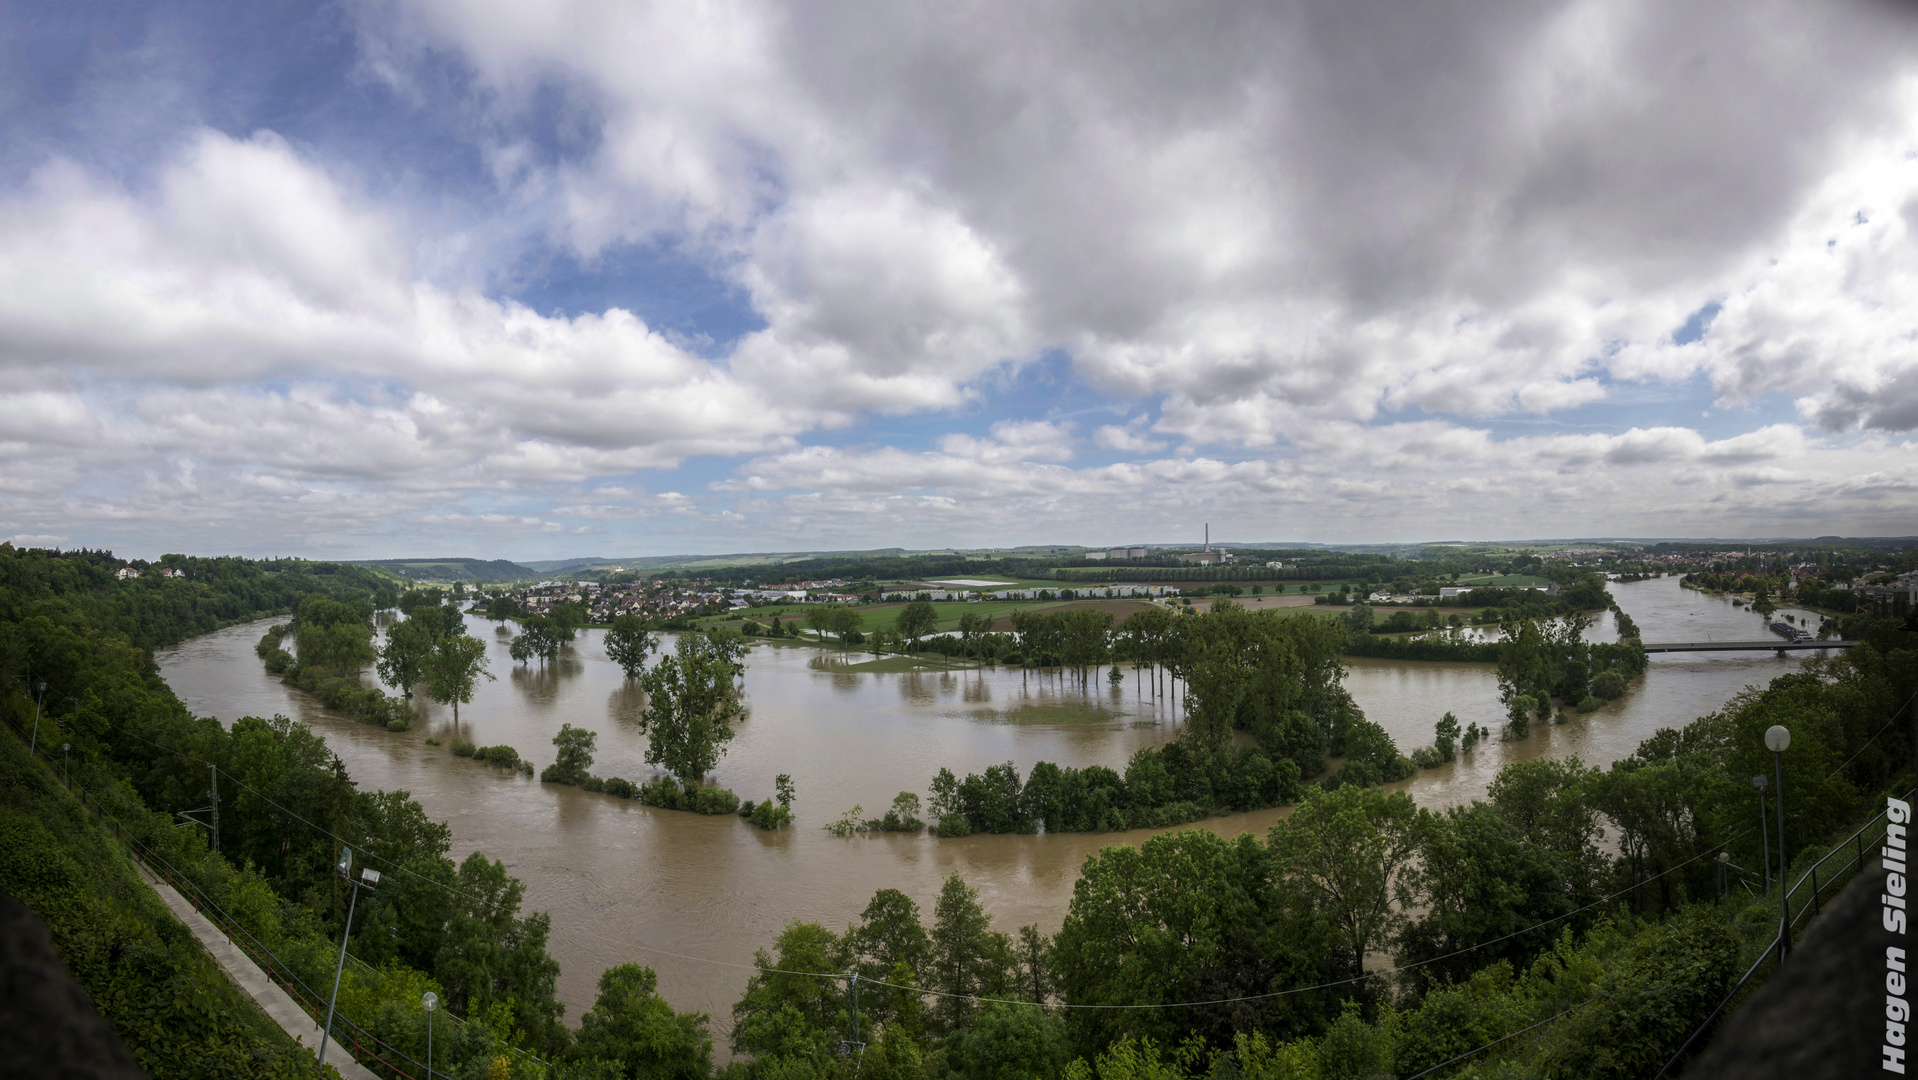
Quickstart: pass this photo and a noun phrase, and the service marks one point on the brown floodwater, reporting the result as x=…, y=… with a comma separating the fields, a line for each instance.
x=693, y=896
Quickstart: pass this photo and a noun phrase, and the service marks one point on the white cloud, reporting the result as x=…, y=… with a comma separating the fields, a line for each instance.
x=1322, y=254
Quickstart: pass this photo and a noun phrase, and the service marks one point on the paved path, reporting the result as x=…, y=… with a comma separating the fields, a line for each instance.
x=247, y=975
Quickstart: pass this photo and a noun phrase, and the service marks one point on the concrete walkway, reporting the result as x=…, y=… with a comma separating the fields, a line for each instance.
x=254, y=983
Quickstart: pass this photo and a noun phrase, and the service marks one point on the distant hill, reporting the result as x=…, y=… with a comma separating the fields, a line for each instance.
x=480, y=571
x=694, y=562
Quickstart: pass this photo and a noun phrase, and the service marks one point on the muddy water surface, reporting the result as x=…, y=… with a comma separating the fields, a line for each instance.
x=691, y=895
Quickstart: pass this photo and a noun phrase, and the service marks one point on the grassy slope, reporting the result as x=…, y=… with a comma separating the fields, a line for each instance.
x=171, y=1005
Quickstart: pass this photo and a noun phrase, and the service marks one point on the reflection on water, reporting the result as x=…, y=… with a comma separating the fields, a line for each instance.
x=623, y=879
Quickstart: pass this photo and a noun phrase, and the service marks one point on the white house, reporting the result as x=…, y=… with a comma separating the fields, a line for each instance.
x=126, y=572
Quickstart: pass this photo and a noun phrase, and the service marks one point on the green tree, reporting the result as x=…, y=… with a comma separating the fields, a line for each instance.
x=454, y=671
x=1446, y=735
x=1350, y=850
x=788, y=1011
x=844, y=621
x=1012, y=1042
x=405, y=659
x=1359, y=619
x=916, y=620
x=632, y=1026
x=628, y=644
x=692, y=704
x=575, y=756
x=889, y=939
x=494, y=956
x=968, y=957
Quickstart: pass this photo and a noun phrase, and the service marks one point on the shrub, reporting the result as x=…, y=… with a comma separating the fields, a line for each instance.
x=1427, y=758
x=504, y=756
x=462, y=748
x=953, y=825
x=848, y=823
x=714, y=800
x=432, y=741
x=592, y=783
x=278, y=661
x=902, y=817
x=1591, y=704
x=575, y=757
x=1608, y=685
x=397, y=724
x=663, y=793
x=625, y=789
x=770, y=815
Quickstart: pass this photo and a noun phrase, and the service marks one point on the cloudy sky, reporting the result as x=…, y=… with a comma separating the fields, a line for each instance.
x=540, y=279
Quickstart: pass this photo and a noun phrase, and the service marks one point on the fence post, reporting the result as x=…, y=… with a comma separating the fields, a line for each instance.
x=1814, y=891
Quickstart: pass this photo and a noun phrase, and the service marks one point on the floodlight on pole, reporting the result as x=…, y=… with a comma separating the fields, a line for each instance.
x=1764, y=830
x=369, y=878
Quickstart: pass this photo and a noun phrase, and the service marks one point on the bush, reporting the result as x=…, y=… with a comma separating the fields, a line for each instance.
x=575, y=757
x=1608, y=685
x=278, y=661
x=462, y=748
x=592, y=783
x=903, y=817
x=953, y=825
x=667, y=794
x=504, y=756
x=1427, y=758
x=397, y=724
x=625, y=789
x=714, y=800
x=663, y=793
x=770, y=815
x=1591, y=704
x=849, y=823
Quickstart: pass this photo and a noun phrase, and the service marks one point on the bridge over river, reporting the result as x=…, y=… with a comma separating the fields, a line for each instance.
x=1777, y=645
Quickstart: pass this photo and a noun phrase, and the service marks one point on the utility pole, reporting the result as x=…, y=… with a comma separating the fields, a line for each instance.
x=852, y=983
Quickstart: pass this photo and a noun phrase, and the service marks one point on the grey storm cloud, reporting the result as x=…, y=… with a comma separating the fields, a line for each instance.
x=1298, y=246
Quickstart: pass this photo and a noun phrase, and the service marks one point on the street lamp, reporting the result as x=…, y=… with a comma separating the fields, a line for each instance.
x=1764, y=836
x=430, y=1002
x=64, y=747
x=1777, y=740
x=369, y=878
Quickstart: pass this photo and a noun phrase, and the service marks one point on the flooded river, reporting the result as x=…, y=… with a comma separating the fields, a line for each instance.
x=693, y=896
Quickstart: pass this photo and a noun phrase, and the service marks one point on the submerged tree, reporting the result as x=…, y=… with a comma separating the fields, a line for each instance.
x=692, y=703
x=454, y=670
x=628, y=644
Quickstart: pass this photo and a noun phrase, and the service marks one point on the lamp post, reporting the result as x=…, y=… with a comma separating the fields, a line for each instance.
x=430, y=1002
x=1777, y=739
x=1764, y=836
x=370, y=878
x=64, y=747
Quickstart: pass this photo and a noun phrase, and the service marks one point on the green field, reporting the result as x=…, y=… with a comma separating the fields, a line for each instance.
x=878, y=616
